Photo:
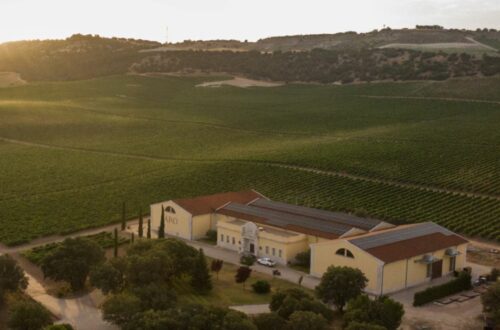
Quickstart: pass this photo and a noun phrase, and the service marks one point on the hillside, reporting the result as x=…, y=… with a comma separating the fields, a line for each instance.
x=402, y=152
x=386, y=55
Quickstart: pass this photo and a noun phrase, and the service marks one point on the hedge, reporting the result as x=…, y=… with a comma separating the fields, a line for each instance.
x=461, y=283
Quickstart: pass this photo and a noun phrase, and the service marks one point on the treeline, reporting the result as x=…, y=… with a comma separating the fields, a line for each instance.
x=326, y=66
x=78, y=57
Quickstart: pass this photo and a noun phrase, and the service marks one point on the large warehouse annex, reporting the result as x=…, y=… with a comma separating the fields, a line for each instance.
x=391, y=257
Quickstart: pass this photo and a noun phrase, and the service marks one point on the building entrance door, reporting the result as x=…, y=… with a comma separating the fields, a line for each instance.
x=437, y=269
x=252, y=248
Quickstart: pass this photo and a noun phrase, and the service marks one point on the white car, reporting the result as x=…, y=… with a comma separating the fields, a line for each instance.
x=266, y=262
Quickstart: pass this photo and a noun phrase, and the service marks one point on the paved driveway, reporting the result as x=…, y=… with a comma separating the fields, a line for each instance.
x=80, y=312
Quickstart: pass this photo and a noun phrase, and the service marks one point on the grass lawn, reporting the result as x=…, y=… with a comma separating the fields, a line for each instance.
x=226, y=292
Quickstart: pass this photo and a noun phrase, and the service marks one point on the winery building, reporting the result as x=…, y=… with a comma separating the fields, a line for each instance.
x=391, y=257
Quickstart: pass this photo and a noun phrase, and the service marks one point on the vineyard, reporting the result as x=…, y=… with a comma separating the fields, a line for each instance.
x=72, y=152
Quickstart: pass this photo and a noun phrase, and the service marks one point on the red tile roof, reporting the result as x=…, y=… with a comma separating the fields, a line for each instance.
x=208, y=204
x=415, y=246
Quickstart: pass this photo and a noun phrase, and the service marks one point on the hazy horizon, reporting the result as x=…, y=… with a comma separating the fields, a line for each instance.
x=225, y=19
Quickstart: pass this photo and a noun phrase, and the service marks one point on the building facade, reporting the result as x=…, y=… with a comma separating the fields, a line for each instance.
x=391, y=257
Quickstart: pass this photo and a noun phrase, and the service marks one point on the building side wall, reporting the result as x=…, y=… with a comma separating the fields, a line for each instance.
x=178, y=224
x=201, y=224
x=229, y=238
x=324, y=255
x=398, y=277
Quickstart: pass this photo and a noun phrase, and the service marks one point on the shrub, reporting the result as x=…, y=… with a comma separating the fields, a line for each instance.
x=247, y=259
x=270, y=321
x=212, y=235
x=64, y=326
x=461, y=283
x=285, y=302
x=303, y=259
x=29, y=315
x=382, y=311
x=305, y=320
x=494, y=274
x=261, y=287
x=364, y=326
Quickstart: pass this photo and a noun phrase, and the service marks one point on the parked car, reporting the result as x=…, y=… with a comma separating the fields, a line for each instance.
x=266, y=262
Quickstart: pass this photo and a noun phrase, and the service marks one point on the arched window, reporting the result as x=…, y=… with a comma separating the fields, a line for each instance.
x=345, y=253
x=170, y=209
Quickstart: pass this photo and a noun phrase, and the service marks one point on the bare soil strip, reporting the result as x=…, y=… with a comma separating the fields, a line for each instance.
x=10, y=79
x=240, y=82
x=429, y=98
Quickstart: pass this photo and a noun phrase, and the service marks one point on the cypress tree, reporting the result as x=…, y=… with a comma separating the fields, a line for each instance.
x=140, y=230
x=115, y=246
x=200, y=279
x=161, y=229
x=124, y=223
x=148, y=232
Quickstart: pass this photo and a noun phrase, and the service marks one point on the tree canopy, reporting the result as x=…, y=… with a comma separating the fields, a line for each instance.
x=72, y=261
x=340, y=284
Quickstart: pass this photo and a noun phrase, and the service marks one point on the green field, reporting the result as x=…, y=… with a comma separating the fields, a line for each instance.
x=71, y=152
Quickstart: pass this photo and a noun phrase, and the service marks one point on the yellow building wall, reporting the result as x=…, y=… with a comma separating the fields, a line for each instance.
x=295, y=248
x=323, y=256
x=394, y=278
x=201, y=224
x=397, y=277
x=273, y=249
x=178, y=224
x=225, y=235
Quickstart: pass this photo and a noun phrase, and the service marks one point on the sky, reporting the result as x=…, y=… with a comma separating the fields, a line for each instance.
x=232, y=19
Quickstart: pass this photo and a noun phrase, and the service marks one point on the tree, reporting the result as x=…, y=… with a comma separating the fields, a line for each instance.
x=270, y=321
x=364, y=326
x=234, y=320
x=286, y=302
x=212, y=235
x=200, y=277
x=261, y=287
x=12, y=276
x=108, y=277
x=154, y=320
x=303, y=259
x=157, y=296
x=242, y=274
x=216, y=266
x=161, y=229
x=72, y=261
x=148, y=230
x=381, y=311
x=491, y=302
x=304, y=320
x=124, y=215
x=140, y=229
x=64, y=326
x=115, y=243
x=28, y=315
x=121, y=308
x=340, y=284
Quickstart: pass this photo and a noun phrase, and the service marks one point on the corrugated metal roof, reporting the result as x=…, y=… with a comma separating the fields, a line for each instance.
x=282, y=219
x=337, y=217
x=393, y=236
